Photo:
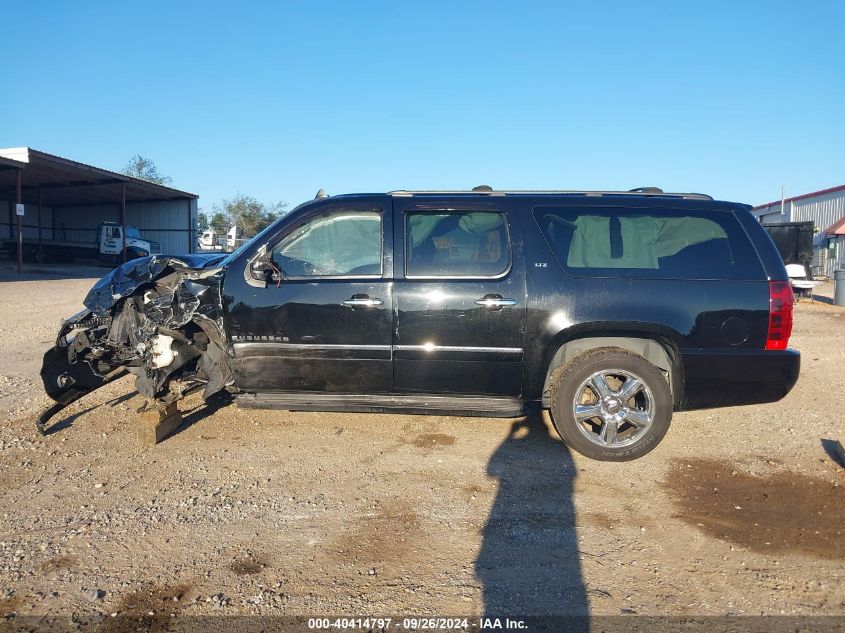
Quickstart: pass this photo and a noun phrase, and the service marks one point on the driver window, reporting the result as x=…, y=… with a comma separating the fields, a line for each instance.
x=338, y=243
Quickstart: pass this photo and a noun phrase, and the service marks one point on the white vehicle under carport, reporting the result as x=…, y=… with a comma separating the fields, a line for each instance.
x=108, y=247
x=111, y=243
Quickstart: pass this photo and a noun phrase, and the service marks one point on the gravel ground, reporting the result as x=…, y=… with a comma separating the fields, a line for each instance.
x=739, y=511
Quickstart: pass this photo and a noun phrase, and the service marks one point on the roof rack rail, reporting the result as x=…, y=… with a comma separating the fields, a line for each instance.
x=646, y=190
x=642, y=191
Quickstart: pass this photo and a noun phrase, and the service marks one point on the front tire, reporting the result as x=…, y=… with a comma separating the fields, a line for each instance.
x=610, y=404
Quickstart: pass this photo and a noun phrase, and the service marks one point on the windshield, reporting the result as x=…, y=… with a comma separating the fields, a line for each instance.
x=132, y=231
x=260, y=236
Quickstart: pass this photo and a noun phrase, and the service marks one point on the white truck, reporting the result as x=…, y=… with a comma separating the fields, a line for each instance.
x=108, y=248
x=234, y=238
x=228, y=242
x=209, y=241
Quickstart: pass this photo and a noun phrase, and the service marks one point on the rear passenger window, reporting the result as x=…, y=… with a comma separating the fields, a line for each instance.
x=456, y=244
x=659, y=243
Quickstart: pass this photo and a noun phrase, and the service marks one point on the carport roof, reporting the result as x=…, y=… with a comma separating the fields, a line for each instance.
x=67, y=183
x=838, y=228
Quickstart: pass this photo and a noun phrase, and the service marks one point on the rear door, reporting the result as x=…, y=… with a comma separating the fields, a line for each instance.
x=459, y=297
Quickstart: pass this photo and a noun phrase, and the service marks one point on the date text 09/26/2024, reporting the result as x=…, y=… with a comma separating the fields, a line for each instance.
x=417, y=624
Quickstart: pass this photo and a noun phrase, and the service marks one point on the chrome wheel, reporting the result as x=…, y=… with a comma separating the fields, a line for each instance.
x=613, y=408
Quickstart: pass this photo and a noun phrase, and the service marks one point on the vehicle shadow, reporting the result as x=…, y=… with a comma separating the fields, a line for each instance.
x=50, y=272
x=529, y=561
x=834, y=450
x=121, y=399
x=203, y=410
x=820, y=299
x=67, y=422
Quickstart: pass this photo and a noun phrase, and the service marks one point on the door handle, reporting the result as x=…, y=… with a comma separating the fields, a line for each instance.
x=495, y=301
x=362, y=302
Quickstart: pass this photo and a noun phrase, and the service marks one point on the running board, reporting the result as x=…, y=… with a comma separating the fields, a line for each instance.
x=471, y=406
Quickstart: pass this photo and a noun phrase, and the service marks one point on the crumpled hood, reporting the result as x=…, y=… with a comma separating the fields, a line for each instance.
x=126, y=278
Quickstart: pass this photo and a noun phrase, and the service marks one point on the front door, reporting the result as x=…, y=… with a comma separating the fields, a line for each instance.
x=111, y=239
x=326, y=324
x=460, y=298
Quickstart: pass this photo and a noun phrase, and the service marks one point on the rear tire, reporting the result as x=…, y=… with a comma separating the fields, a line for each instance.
x=610, y=404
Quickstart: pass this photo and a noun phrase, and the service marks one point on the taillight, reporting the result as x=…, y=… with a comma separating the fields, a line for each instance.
x=780, y=315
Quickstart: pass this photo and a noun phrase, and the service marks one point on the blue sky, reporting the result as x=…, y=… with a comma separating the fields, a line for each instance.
x=277, y=100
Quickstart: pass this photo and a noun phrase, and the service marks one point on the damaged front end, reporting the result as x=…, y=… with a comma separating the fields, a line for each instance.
x=159, y=318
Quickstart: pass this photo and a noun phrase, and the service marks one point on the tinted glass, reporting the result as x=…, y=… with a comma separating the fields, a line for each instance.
x=338, y=243
x=456, y=244
x=660, y=243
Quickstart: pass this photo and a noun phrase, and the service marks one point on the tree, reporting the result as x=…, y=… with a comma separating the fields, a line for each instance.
x=202, y=221
x=248, y=213
x=219, y=222
x=145, y=169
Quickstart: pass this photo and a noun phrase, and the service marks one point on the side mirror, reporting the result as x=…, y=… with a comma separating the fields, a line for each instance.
x=255, y=273
x=261, y=270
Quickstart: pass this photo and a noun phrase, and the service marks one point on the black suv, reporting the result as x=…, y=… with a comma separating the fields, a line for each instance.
x=612, y=309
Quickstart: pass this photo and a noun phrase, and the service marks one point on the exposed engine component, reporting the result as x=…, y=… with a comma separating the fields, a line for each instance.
x=161, y=351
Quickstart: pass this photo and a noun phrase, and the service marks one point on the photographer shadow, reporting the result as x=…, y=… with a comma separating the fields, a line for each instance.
x=529, y=561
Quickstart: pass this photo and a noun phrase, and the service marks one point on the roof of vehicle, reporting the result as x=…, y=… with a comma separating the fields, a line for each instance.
x=641, y=192
x=653, y=193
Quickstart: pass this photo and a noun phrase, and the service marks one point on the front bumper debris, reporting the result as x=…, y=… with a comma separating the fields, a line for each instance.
x=159, y=318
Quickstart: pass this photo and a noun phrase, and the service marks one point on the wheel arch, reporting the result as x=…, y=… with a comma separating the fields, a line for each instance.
x=660, y=351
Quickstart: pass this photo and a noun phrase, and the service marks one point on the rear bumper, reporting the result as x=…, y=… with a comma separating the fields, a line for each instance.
x=727, y=378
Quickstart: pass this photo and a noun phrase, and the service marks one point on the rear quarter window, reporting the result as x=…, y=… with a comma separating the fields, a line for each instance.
x=648, y=243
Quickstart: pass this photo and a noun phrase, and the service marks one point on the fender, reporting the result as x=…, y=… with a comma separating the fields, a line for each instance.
x=656, y=349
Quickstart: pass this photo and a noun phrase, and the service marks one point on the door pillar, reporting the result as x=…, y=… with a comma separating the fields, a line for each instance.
x=123, y=217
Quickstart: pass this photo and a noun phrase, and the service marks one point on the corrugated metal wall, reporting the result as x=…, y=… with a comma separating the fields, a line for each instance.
x=170, y=223
x=773, y=218
x=833, y=255
x=824, y=211
x=79, y=224
x=30, y=221
x=5, y=227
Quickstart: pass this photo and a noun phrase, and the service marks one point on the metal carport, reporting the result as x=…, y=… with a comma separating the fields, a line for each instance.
x=66, y=199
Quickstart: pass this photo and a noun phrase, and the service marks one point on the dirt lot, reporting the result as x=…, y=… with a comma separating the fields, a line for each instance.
x=738, y=511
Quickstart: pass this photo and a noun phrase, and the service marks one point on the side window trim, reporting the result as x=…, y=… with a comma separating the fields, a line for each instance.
x=405, y=234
